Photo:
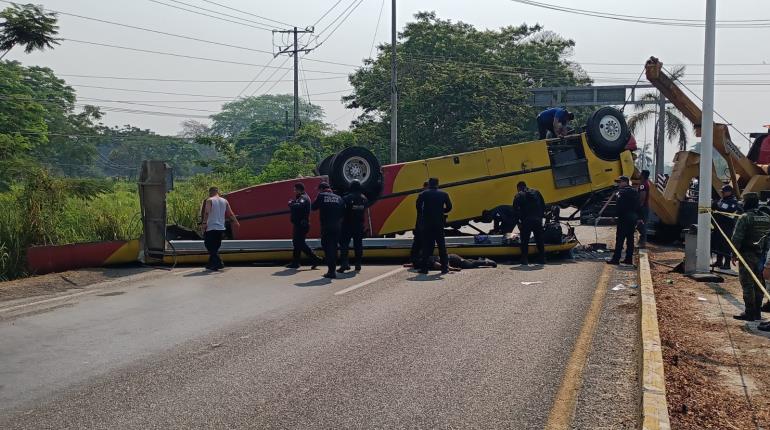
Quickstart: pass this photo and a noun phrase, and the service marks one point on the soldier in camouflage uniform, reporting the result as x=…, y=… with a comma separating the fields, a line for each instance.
x=749, y=230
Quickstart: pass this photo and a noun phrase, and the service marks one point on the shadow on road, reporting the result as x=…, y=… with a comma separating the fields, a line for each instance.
x=422, y=277
x=314, y=283
x=286, y=272
x=521, y=268
x=203, y=272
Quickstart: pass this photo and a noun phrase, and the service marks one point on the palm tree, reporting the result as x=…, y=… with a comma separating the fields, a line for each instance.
x=644, y=157
x=676, y=128
x=27, y=25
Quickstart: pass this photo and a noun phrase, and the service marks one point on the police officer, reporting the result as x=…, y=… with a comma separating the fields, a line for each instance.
x=644, y=201
x=300, y=221
x=529, y=210
x=752, y=226
x=627, y=206
x=501, y=217
x=727, y=204
x=415, y=255
x=432, y=205
x=353, y=226
x=331, y=209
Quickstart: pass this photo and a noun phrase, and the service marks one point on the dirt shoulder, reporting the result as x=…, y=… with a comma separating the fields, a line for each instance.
x=717, y=368
x=53, y=283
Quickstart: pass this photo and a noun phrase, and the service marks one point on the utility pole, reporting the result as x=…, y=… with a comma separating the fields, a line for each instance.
x=393, y=88
x=703, y=259
x=294, y=50
x=660, y=142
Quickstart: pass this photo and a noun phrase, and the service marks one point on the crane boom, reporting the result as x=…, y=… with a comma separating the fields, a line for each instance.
x=744, y=167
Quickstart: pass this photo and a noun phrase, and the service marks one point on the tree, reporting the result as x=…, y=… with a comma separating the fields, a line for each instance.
x=22, y=125
x=123, y=149
x=27, y=25
x=644, y=158
x=237, y=116
x=676, y=128
x=460, y=88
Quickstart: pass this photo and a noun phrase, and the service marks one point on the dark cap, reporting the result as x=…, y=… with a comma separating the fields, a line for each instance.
x=727, y=188
x=323, y=186
x=622, y=178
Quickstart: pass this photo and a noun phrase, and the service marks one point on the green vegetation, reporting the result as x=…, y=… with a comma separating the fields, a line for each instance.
x=66, y=177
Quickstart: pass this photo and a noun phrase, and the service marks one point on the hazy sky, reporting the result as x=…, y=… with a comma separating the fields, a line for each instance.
x=597, y=40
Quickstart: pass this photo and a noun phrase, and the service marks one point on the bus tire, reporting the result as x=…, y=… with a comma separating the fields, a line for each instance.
x=356, y=163
x=324, y=167
x=608, y=132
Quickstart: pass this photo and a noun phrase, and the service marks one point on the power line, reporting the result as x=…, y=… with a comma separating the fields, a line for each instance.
x=247, y=23
x=376, y=27
x=647, y=20
x=339, y=24
x=271, y=76
x=337, y=18
x=171, y=54
x=249, y=13
x=179, y=94
x=224, y=81
x=326, y=13
x=211, y=16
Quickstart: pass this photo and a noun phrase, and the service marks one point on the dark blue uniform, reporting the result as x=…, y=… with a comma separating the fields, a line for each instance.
x=627, y=207
x=432, y=204
x=353, y=228
x=719, y=245
x=529, y=210
x=545, y=120
x=331, y=209
x=300, y=221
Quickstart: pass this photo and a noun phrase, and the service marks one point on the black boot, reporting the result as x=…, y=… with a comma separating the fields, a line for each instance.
x=292, y=265
x=745, y=316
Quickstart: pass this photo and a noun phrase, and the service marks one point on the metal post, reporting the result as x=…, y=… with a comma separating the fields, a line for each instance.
x=393, y=89
x=660, y=142
x=707, y=141
x=296, y=83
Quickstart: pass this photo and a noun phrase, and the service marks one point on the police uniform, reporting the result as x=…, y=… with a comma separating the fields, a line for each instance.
x=719, y=245
x=415, y=255
x=300, y=221
x=529, y=210
x=331, y=209
x=627, y=206
x=353, y=227
x=432, y=204
x=751, y=227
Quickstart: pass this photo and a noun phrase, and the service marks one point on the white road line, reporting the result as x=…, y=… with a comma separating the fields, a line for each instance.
x=184, y=272
x=369, y=281
x=40, y=302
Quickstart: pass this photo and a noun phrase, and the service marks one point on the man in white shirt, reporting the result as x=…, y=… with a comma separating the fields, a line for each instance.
x=215, y=210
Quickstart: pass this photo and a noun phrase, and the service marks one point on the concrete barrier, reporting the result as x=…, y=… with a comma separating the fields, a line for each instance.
x=654, y=405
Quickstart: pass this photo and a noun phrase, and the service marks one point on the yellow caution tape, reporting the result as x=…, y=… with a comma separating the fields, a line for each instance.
x=759, y=283
x=703, y=210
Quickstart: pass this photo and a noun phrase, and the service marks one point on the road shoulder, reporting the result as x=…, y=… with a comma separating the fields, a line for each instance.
x=609, y=393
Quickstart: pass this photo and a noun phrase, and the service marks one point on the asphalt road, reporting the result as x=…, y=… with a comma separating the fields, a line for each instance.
x=261, y=347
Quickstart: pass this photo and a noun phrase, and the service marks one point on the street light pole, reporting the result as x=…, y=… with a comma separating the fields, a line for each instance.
x=393, y=89
x=703, y=259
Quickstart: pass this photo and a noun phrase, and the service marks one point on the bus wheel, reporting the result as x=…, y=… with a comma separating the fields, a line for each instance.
x=608, y=132
x=356, y=163
x=323, y=168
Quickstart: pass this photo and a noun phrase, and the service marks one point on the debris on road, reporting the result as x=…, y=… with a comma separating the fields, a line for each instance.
x=531, y=282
